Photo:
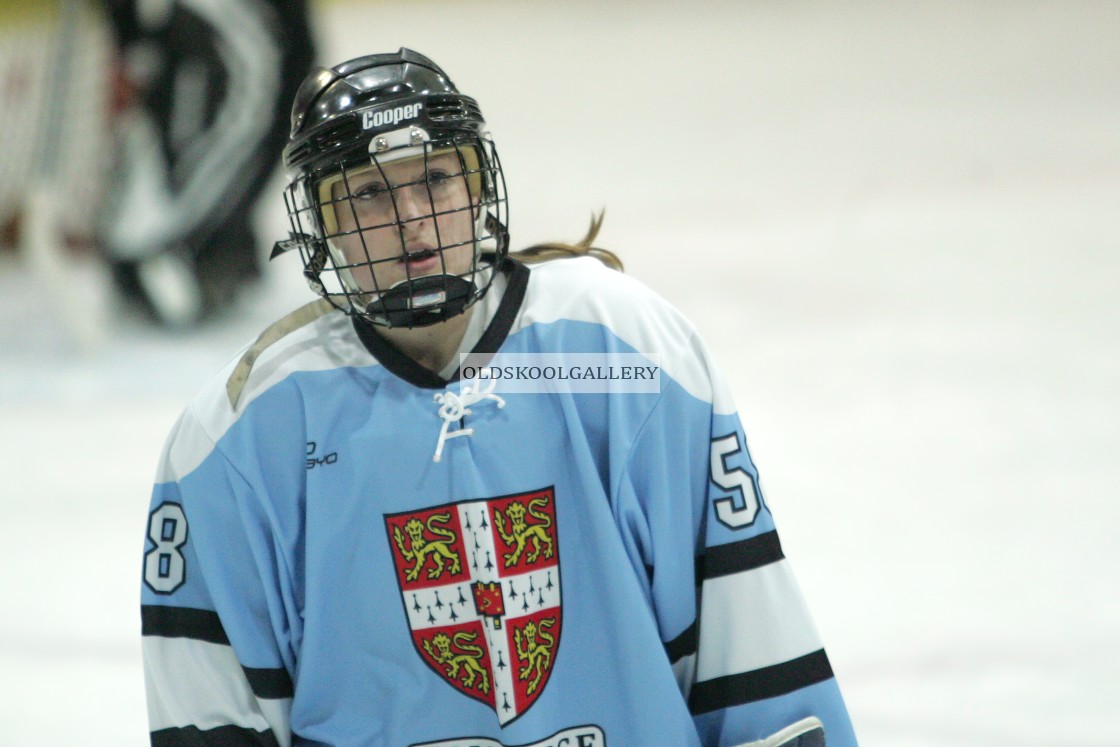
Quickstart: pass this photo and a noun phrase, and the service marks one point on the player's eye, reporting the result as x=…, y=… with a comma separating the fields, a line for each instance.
x=369, y=191
x=438, y=177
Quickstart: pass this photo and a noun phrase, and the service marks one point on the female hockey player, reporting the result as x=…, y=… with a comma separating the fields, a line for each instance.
x=381, y=525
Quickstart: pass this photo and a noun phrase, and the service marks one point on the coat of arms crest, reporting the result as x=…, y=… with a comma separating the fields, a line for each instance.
x=480, y=583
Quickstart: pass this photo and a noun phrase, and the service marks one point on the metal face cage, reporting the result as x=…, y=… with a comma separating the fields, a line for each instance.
x=409, y=236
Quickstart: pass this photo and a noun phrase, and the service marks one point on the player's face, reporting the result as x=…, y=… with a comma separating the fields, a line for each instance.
x=403, y=219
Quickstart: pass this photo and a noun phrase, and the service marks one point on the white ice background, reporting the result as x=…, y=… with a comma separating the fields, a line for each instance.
x=896, y=224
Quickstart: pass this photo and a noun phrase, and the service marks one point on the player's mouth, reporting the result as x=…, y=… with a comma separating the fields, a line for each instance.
x=421, y=260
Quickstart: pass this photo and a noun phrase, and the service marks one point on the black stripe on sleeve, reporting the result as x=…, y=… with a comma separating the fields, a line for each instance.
x=182, y=622
x=204, y=625
x=269, y=683
x=768, y=682
x=222, y=736
x=736, y=557
x=684, y=644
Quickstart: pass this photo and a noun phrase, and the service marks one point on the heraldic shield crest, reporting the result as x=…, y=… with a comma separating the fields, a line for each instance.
x=480, y=583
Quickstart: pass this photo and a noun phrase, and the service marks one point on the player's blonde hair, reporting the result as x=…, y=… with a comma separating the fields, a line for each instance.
x=583, y=248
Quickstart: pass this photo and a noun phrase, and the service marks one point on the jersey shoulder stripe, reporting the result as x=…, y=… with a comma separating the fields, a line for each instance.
x=584, y=290
x=278, y=330
x=317, y=339
x=325, y=343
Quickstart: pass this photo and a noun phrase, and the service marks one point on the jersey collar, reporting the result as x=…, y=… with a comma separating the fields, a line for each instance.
x=496, y=332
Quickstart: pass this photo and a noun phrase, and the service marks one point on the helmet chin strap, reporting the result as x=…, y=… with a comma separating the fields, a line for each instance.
x=423, y=301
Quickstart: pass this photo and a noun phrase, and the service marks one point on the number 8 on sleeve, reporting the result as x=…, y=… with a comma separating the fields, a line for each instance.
x=165, y=568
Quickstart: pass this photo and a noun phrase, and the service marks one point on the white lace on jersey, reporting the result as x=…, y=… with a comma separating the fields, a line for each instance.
x=452, y=408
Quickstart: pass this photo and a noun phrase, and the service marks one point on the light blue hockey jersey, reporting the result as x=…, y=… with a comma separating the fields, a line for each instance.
x=575, y=570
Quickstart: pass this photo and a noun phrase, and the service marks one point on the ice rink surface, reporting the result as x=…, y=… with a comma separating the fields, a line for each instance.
x=897, y=225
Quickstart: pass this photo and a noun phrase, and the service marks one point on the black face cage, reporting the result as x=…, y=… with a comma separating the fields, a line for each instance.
x=348, y=255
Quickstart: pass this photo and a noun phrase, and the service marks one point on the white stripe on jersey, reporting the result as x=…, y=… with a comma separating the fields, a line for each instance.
x=583, y=289
x=772, y=626
x=190, y=446
x=327, y=343
x=210, y=689
x=561, y=289
x=684, y=670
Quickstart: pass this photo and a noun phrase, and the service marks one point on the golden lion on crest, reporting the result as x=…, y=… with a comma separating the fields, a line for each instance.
x=419, y=549
x=521, y=532
x=439, y=648
x=534, y=647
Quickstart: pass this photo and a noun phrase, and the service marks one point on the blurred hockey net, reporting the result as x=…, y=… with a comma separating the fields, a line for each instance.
x=54, y=100
x=54, y=158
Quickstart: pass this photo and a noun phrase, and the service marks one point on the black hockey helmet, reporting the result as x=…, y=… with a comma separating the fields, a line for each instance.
x=395, y=194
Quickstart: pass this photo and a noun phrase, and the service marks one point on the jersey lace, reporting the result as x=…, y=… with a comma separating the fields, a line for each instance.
x=452, y=408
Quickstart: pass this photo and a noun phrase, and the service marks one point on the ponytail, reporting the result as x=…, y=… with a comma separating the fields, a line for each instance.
x=584, y=248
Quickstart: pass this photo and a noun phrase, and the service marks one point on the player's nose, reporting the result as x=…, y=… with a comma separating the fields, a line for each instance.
x=413, y=202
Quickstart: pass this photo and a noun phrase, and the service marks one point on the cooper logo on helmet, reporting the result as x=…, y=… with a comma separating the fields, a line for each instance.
x=390, y=116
